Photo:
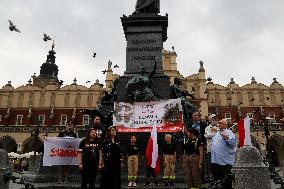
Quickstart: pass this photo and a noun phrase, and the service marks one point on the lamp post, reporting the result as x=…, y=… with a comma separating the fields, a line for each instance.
x=35, y=133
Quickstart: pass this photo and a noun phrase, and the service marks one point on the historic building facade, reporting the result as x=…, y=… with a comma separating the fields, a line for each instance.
x=46, y=102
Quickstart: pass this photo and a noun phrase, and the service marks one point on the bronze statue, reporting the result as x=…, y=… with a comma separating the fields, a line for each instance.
x=111, y=95
x=140, y=88
x=187, y=107
x=147, y=6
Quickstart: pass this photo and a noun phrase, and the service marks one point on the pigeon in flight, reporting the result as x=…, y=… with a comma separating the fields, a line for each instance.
x=88, y=81
x=104, y=71
x=116, y=66
x=12, y=27
x=46, y=37
x=94, y=55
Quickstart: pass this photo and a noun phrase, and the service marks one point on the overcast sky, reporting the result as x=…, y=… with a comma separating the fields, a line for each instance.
x=234, y=38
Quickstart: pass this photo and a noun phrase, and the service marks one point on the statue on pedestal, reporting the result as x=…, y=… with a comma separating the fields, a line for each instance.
x=147, y=6
x=140, y=88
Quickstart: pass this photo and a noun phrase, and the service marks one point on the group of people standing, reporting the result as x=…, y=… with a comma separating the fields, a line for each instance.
x=208, y=153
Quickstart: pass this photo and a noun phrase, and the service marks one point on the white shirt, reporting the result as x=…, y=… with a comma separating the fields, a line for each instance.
x=208, y=135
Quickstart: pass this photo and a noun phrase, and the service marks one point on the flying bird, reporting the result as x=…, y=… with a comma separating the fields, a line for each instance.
x=46, y=37
x=115, y=66
x=104, y=71
x=88, y=81
x=94, y=55
x=61, y=82
x=12, y=27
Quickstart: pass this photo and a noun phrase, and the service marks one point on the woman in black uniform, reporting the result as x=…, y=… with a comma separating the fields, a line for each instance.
x=112, y=161
x=90, y=157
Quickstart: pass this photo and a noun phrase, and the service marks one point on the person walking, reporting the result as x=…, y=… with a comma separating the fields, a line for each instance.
x=90, y=158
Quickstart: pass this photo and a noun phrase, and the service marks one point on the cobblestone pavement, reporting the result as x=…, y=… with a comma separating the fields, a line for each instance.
x=76, y=185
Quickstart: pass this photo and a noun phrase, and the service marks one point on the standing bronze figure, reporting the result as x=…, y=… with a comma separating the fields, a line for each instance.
x=147, y=6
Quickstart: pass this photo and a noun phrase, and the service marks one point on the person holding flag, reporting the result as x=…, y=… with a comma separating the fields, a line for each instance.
x=152, y=158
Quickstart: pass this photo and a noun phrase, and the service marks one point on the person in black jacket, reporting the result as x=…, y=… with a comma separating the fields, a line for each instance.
x=65, y=169
x=90, y=158
x=111, y=161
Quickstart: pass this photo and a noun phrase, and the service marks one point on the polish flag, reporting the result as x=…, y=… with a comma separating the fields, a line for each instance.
x=244, y=132
x=152, y=157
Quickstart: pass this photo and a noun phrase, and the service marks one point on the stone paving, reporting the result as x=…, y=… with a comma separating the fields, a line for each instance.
x=75, y=185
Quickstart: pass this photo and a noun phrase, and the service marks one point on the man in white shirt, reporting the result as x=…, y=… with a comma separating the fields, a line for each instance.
x=210, y=132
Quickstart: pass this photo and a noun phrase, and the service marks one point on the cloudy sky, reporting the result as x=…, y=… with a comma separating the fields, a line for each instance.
x=235, y=38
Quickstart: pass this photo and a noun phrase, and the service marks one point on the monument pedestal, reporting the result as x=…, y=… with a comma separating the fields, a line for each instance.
x=249, y=169
x=145, y=34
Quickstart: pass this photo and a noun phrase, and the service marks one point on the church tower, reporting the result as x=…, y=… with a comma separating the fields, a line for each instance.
x=48, y=72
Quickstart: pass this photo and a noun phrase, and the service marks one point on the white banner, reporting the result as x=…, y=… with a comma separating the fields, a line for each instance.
x=61, y=151
x=141, y=116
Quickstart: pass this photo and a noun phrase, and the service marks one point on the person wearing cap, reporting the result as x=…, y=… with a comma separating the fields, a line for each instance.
x=64, y=169
x=210, y=132
x=169, y=156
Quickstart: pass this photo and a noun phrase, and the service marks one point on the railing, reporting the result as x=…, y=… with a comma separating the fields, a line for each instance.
x=274, y=175
x=272, y=127
x=28, y=129
x=218, y=183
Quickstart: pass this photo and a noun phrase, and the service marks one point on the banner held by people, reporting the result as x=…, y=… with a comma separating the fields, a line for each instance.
x=141, y=116
x=61, y=151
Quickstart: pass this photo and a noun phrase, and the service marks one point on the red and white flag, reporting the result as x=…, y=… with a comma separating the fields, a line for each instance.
x=152, y=156
x=244, y=132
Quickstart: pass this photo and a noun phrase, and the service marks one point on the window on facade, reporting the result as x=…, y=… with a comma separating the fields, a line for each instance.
x=227, y=115
x=41, y=119
x=271, y=118
x=19, y=120
x=250, y=115
x=86, y=120
x=63, y=119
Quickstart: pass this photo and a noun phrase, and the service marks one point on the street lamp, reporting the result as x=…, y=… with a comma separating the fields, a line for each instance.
x=35, y=133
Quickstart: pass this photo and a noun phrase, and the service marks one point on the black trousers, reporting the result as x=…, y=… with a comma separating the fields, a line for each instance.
x=88, y=177
x=219, y=172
